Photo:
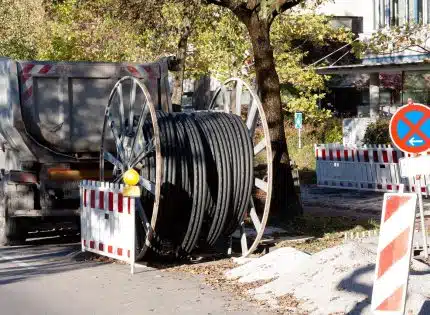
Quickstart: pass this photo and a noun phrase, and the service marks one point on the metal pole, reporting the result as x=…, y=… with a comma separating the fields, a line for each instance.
x=300, y=138
x=423, y=225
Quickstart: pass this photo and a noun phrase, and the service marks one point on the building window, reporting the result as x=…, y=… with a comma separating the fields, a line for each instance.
x=400, y=12
x=415, y=11
x=381, y=10
x=428, y=12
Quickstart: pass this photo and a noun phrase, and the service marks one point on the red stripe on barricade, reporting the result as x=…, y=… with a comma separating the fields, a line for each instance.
x=101, y=246
x=93, y=199
x=375, y=157
x=101, y=200
x=385, y=156
x=366, y=156
x=389, y=187
x=423, y=189
x=393, y=204
x=129, y=205
x=393, y=302
x=92, y=244
x=110, y=201
x=85, y=243
x=345, y=155
x=27, y=68
x=395, y=158
x=110, y=249
x=119, y=251
x=338, y=155
x=120, y=203
x=128, y=253
x=323, y=154
x=25, y=77
x=330, y=153
x=45, y=69
x=85, y=197
x=28, y=93
x=393, y=252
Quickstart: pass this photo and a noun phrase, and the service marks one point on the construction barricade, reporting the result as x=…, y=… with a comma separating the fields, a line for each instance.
x=107, y=221
x=371, y=167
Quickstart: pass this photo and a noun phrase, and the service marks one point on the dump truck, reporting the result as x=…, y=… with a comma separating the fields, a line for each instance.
x=51, y=120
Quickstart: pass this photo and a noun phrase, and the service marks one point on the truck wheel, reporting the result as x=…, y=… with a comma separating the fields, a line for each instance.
x=11, y=232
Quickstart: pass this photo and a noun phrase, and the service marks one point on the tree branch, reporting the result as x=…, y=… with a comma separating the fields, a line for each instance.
x=238, y=7
x=280, y=6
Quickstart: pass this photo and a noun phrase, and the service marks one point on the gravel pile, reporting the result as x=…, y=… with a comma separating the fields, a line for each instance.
x=336, y=280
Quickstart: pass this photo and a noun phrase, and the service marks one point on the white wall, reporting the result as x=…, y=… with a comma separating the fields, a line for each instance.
x=360, y=8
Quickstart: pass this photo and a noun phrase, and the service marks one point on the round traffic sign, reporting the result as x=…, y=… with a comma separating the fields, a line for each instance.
x=410, y=128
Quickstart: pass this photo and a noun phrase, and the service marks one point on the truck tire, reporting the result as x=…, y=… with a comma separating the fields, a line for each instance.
x=10, y=231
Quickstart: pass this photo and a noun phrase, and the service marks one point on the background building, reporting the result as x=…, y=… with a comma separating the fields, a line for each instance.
x=380, y=83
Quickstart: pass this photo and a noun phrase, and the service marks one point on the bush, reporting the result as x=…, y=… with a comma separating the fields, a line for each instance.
x=378, y=132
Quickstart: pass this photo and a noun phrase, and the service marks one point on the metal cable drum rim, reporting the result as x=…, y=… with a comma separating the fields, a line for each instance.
x=265, y=143
x=161, y=241
x=156, y=143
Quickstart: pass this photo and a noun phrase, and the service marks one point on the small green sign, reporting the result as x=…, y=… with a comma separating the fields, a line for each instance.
x=298, y=120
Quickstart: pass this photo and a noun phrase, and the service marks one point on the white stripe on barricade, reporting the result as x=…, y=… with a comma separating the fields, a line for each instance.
x=394, y=254
x=107, y=221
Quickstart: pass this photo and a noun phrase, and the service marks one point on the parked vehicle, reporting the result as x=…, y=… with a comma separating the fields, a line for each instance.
x=51, y=120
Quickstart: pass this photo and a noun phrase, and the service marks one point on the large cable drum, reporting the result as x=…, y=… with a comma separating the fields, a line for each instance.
x=235, y=96
x=196, y=170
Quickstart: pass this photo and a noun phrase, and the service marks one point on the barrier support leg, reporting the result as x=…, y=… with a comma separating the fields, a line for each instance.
x=423, y=225
x=133, y=239
x=230, y=244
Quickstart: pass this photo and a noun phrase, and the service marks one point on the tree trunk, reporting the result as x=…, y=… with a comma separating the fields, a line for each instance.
x=285, y=202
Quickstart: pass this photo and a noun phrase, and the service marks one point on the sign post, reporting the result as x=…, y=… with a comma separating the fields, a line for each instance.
x=415, y=168
x=298, y=124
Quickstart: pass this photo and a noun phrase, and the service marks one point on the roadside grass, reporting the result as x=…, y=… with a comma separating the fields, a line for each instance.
x=329, y=131
x=326, y=231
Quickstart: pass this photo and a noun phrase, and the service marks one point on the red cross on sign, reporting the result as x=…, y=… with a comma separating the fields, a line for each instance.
x=410, y=128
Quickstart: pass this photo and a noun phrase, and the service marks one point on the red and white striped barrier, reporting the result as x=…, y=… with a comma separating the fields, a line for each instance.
x=371, y=167
x=364, y=154
x=107, y=221
x=394, y=254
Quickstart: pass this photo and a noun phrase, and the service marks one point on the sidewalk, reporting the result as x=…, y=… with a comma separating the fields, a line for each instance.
x=338, y=200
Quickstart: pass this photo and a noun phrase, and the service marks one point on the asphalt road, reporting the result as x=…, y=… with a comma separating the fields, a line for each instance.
x=44, y=277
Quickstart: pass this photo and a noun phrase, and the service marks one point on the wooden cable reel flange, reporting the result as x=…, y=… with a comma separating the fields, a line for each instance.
x=253, y=115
